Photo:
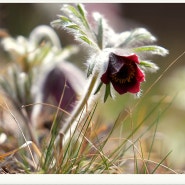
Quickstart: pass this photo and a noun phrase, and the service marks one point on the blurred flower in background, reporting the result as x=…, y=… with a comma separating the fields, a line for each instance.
x=39, y=72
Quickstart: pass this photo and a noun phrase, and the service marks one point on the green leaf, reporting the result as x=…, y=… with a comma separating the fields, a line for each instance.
x=90, y=68
x=107, y=92
x=83, y=14
x=81, y=10
x=146, y=63
x=76, y=23
x=153, y=49
x=74, y=11
x=64, y=19
x=67, y=23
x=100, y=34
x=74, y=26
x=77, y=28
x=150, y=65
x=98, y=88
x=138, y=35
x=85, y=39
x=79, y=14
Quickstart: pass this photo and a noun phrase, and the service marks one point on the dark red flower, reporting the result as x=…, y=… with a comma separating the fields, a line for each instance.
x=124, y=74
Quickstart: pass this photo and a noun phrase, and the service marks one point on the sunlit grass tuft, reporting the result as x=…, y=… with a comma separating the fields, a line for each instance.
x=97, y=147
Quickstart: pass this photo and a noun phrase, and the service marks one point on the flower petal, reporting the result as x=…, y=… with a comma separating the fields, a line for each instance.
x=133, y=58
x=120, y=89
x=105, y=79
x=140, y=75
x=134, y=88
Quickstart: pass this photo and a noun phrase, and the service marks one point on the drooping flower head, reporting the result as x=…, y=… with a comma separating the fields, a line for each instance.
x=124, y=74
x=40, y=72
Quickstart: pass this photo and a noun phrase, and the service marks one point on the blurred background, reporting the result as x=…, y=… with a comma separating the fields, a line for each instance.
x=164, y=21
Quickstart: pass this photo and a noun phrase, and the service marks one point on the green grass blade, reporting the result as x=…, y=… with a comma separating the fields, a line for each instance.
x=149, y=127
x=161, y=162
x=86, y=123
x=49, y=151
x=153, y=138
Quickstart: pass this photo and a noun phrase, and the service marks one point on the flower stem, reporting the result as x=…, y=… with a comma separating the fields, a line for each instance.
x=72, y=123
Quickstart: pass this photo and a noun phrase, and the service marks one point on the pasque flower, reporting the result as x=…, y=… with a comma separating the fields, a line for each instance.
x=66, y=78
x=40, y=72
x=105, y=66
x=124, y=74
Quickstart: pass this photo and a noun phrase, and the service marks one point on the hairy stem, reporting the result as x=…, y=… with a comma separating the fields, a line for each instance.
x=72, y=123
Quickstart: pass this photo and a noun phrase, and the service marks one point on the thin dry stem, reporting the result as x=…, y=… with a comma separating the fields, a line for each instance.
x=35, y=165
x=49, y=105
x=157, y=80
